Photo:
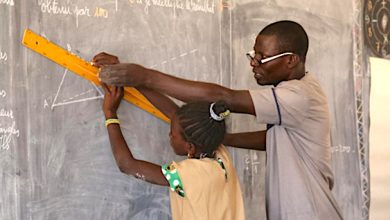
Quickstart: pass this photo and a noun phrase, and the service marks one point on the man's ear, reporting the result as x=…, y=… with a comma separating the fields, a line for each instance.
x=293, y=61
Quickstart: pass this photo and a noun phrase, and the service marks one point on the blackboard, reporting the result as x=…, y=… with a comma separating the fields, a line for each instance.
x=55, y=158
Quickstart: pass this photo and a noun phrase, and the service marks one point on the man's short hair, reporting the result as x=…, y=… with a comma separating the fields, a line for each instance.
x=291, y=36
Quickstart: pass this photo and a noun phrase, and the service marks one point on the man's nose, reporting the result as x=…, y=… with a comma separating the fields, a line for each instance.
x=253, y=63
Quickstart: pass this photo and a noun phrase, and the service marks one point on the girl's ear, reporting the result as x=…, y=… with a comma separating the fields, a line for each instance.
x=191, y=149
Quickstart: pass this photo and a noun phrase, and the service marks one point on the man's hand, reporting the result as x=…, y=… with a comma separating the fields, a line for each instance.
x=123, y=74
x=113, y=73
x=112, y=100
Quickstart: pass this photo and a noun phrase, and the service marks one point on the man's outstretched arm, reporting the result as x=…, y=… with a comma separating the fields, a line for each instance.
x=238, y=101
x=126, y=74
x=249, y=140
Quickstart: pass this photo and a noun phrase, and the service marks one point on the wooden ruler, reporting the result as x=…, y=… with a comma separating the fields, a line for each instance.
x=83, y=68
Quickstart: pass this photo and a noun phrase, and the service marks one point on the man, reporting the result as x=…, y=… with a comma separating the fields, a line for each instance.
x=297, y=141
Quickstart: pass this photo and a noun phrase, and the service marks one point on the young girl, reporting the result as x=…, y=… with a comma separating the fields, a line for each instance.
x=203, y=186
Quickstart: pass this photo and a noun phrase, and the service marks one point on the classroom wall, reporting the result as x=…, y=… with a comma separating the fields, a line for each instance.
x=379, y=145
x=55, y=158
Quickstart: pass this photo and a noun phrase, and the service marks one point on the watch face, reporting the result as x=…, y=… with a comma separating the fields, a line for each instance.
x=377, y=26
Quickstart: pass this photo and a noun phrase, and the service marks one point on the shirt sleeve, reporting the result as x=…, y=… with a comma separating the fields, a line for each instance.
x=265, y=106
x=282, y=105
x=172, y=175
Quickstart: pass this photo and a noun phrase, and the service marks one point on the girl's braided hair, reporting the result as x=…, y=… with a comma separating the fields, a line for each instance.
x=200, y=128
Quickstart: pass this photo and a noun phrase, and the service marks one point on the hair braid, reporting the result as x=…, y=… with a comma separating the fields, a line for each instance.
x=200, y=128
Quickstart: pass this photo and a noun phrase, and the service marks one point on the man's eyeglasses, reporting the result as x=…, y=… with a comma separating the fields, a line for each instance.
x=251, y=56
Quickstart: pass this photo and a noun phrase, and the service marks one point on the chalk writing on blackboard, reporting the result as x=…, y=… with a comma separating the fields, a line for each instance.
x=6, y=113
x=3, y=56
x=248, y=176
x=101, y=12
x=7, y=131
x=55, y=8
x=206, y=6
x=342, y=149
x=7, y=2
x=253, y=161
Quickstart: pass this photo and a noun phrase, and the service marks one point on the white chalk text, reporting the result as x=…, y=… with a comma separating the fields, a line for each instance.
x=341, y=149
x=205, y=6
x=55, y=8
x=3, y=93
x=3, y=56
x=7, y=2
x=6, y=113
x=6, y=134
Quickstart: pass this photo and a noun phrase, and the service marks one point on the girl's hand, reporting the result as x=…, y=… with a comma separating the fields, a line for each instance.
x=103, y=58
x=112, y=100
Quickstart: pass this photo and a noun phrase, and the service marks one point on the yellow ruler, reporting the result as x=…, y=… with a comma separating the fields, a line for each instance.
x=83, y=68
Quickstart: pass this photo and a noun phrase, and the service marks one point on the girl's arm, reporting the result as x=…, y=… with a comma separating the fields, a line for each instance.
x=124, y=158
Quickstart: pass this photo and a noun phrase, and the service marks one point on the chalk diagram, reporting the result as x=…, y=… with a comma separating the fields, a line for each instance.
x=96, y=92
x=81, y=97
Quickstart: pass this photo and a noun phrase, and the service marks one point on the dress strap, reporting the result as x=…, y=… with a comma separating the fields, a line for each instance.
x=171, y=174
x=219, y=160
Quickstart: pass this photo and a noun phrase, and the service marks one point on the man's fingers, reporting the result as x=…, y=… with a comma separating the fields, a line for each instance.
x=112, y=81
x=112, y=74
x=103, y=74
